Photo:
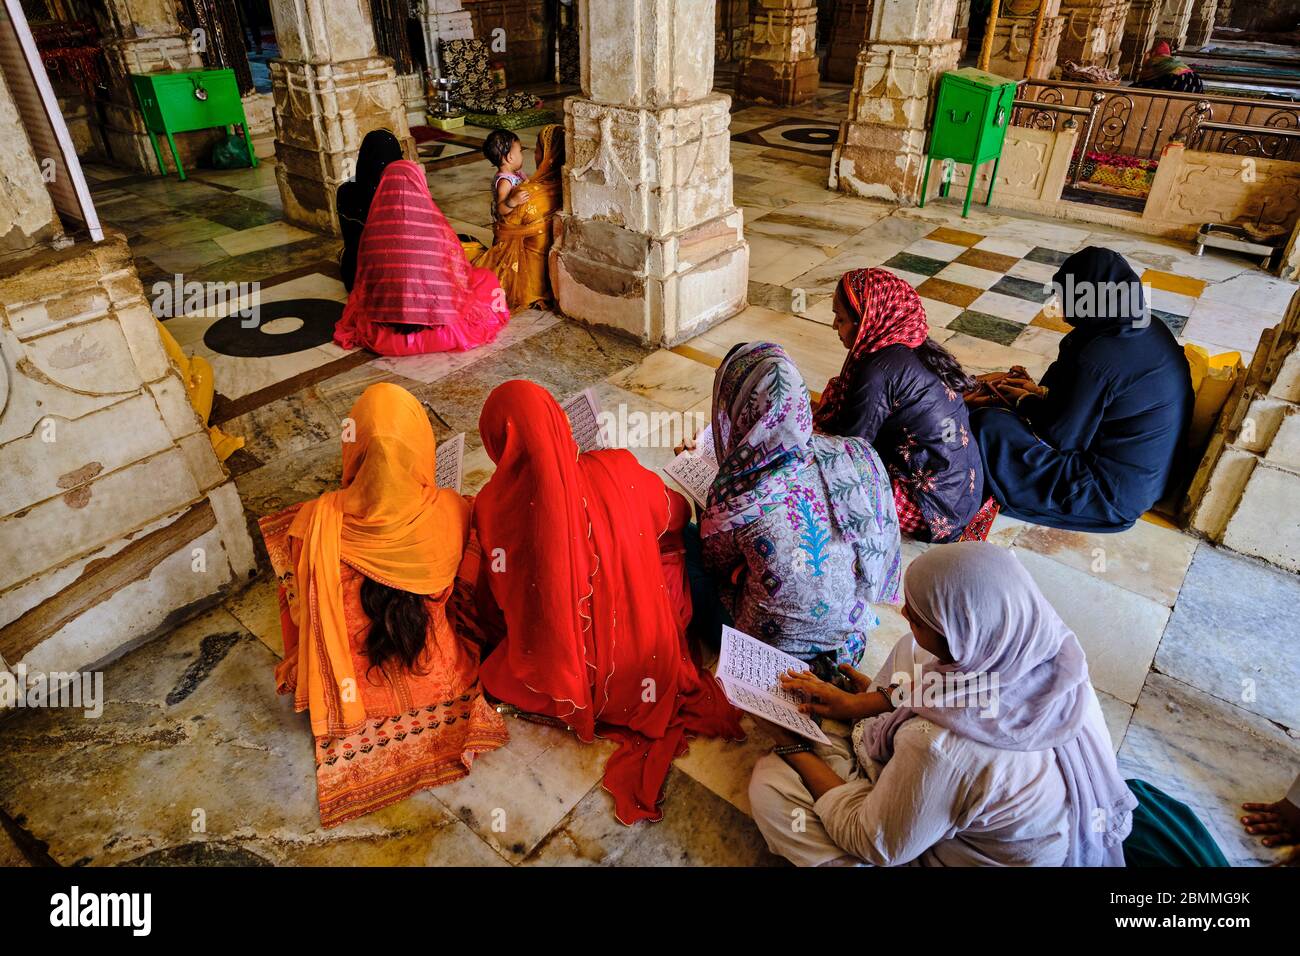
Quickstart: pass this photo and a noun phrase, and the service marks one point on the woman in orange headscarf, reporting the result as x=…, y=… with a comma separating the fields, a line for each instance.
x=595, y=615
x=365, y=574
x=522, y=239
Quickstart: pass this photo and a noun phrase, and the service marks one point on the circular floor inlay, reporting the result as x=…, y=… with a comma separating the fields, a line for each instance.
x=811, y=135
x=280, y=328
x=290, y=323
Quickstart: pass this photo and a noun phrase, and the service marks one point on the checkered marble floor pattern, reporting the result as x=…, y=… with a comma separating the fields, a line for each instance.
x=1173, y=627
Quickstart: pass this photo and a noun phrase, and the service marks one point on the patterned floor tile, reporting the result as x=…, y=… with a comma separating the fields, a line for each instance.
x=910, y=262
x=931, y=249
x=985, y=259
x=955, y=236
x=1008, y=307
x=969, y=275
x=1022, y=289
x=1169, y=282
x=1051, y=257
x=951, y=292
x=985, y=326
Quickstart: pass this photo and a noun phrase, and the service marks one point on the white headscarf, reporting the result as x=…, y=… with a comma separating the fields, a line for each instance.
x=997, y=623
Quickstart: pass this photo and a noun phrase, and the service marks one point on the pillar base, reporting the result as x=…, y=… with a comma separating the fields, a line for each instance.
x=881, y=152
x=322, y=112
x=659, y=291
x=778, y=82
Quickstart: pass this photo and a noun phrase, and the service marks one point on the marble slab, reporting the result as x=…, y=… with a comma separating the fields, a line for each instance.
x=513, y=801
x=1119, y=630
x=1146, y=559
x=668, y=379
x=697, y=829
x=1212, y=756
x=192, y=723
x=1229, y=325
x=1227, y=637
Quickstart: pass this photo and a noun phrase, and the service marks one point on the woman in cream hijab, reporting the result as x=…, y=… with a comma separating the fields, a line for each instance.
x=991, y=749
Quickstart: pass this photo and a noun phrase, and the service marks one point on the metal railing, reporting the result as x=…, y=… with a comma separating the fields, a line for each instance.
x=1238, y=139
x=1040, y=114
x=1141, y=122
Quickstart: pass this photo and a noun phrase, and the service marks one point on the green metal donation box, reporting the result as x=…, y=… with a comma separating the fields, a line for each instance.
x=188, y=100
x=970, y=123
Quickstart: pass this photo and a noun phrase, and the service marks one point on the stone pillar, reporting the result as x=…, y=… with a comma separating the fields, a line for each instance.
x=961, y=26
x=331, y=88
x=443, y=20
x=116, y=519
x=28, y=219
x=780, y=65
x=142, y=36
x=1201, y=25
x=881, y=149
x=1139, y=34
x=1014, y=38
x=1093, y=31
x=1175, y=17
x=649, y=241
x=848, y=33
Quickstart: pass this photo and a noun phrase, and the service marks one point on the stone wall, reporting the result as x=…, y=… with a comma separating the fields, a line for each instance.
x=1246, y=492
x=1192, y=187
x=1264, y=16
x=524, y=31
x=116, y=519
x=1093, y=31
x=27, y=216
x=1031, y=176
x=1013, y=39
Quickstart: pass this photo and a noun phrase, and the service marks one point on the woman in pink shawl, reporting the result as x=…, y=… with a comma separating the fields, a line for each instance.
x=414, y=291
x=979, y=743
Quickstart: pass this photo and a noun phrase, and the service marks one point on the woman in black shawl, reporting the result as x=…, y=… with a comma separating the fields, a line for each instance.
x=378, y=149
x=1093, y=445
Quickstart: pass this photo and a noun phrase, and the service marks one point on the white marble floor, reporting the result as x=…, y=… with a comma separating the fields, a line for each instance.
x=1194, y=651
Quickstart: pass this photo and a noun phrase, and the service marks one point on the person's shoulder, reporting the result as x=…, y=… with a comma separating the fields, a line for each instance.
x=887, y=363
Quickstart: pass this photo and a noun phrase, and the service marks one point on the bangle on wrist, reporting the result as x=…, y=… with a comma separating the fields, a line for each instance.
x=784, y=750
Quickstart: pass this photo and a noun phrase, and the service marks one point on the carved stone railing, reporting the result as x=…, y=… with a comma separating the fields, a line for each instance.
x=1141, y=122
x=1042, y=114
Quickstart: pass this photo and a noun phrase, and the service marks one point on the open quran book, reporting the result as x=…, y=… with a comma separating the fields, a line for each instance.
x=749, y=672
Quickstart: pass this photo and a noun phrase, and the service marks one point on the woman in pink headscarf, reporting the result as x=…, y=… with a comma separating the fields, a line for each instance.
x=414, y=290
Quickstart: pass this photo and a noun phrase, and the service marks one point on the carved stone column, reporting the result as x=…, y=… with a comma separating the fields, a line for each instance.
x=1201, y=25
x=650, y=240
x=1139, y=33
x=781, y=63
x=1014, y=39
x=1092, y=32
x=881, y=150
x=142, y=36
x=331, y=88
x=1175, y=17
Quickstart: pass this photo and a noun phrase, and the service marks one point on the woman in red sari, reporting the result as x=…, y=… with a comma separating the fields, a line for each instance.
x=414, y=291
x=581, y=553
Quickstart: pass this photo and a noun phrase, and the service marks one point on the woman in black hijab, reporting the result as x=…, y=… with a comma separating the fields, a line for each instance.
x=378, y=149
x=1092, y=446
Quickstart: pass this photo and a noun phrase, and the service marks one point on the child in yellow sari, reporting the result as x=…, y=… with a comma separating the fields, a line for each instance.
x=522, y=238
